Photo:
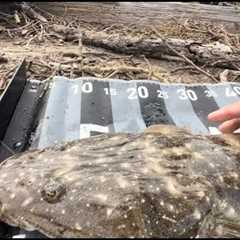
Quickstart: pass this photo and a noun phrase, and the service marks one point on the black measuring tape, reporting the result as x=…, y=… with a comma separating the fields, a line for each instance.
x=83, y=107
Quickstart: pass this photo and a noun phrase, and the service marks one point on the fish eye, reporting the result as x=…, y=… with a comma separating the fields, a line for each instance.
x=53, y=191
x=51, y=194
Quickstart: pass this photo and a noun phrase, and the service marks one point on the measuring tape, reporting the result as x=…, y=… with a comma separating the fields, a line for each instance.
x=83, y=107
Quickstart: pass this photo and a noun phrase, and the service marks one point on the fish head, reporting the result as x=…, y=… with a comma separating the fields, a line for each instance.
x=30, y=193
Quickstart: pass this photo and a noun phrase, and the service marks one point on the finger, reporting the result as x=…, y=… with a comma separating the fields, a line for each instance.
x=230, y=126
x=226, y=113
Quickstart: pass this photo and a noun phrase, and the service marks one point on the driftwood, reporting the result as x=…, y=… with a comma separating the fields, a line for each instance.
x=218, y=55
x=31, y=12
x=144, y=13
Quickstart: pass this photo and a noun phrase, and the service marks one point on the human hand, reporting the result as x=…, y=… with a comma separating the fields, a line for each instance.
x=229, y=115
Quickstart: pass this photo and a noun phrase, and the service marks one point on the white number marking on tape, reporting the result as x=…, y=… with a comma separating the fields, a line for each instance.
x=142, y=92
x=237, y=89
x=210, y=93
x=75, y=89
x=187, y=94
x=86, y=129
x=162, y=94
x=229, y=92
x=111, y=91
x=87, y=87
x=132, y=93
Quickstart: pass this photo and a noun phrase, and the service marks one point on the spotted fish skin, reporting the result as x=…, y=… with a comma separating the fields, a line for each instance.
x=164, y=182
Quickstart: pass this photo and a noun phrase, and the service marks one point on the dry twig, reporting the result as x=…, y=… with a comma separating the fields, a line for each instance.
x=185, y=58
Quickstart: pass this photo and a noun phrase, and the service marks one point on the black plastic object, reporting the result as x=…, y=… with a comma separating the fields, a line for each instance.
x=10, y=97
x=18, y=108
